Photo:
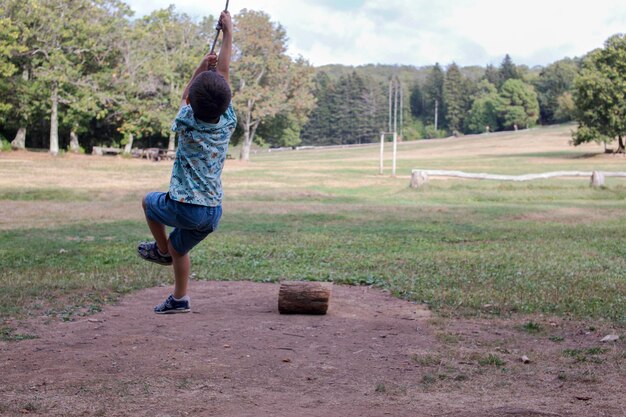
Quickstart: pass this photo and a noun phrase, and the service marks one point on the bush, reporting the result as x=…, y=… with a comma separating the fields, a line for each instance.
x=431, y=133
x=5, y=145
x=413, y=130
x=81, y=150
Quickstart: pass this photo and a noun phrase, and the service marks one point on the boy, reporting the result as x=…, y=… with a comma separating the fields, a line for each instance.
x=205, y=123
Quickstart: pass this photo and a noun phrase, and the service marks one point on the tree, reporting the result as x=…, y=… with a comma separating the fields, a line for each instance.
x=416, y=101
x=554, y=82
x=433, y=95
x=286, y=127
x=85, y=98
x=376, y=109
x=518, y=105
x=142, y=90
x=262, y=84
x=350, y=109
x=9, y=46
x=132, y=99
x=565, y=107
x=300, y=99
x=173, y=46
x=455, y=98
x=492, y=75
x=320, y=127
x=81, y=108
x=507, y=71
x=483, y=116
x=25, y=98
x=281, y=130
x=600, y=96
x=59, y=54
x=65, y=47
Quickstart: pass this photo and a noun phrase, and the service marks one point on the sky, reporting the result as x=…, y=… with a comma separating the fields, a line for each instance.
x=423, y=32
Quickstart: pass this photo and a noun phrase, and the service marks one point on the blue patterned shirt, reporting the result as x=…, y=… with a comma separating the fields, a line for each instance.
x=202, y=147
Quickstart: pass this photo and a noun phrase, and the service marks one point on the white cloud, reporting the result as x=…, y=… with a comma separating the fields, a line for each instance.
x=422, y=32
x=535, y=27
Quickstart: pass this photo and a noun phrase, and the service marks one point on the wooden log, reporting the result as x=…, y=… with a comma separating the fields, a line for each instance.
x=152, y=154
x=303, y=297
x=111, y=151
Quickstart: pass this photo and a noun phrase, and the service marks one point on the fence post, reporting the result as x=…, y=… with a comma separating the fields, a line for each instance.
x=418, y=179
x=597, y=179
x=382, y=150
x=395, y=152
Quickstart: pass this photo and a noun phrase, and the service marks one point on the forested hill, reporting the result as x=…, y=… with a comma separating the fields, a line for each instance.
x=406, y=73
x=354, y=102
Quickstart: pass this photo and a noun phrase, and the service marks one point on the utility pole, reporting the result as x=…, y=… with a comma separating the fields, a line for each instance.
x=395, y=94
x=395, y=127
x=395, y=154
x=395, y=105
x=436, y=113
x=390, y=93
x=382, y=152
x=401, y=110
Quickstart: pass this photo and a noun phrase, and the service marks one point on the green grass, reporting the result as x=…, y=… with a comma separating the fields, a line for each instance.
x=5, y=145
x=552, y=247
x=426, y=359
x=531, y=327
x=71, y=271
x=455, y=261
x=43, y=194
x=586, y=355
x=8, y=334
x=491, y=360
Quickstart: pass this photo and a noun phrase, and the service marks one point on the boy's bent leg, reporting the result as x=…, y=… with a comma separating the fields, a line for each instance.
x=157, y=229
x=155, y=207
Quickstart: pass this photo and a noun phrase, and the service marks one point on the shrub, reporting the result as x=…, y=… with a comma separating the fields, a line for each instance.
x=5, y=145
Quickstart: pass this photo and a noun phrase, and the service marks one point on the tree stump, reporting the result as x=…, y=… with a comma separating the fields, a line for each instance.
x=597, y=179
x=418, y=179
x=303, y=297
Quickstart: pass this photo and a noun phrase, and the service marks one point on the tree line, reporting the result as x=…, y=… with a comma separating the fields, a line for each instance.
x=442, y=101
x=81, y=73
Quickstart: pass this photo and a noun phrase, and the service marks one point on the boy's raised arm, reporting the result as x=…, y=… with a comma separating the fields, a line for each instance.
x=210, y=61
x=207, y=62
x=223, y=62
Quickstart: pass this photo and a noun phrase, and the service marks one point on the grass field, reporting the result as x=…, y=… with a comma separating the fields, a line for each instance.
x=69, y=227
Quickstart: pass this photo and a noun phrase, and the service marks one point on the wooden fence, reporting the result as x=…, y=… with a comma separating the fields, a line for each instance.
x=420, y=177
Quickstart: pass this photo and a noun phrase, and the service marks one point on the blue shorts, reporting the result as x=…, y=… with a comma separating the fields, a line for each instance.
x=191, y=223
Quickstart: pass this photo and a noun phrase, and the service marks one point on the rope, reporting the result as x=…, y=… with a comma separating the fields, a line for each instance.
x=218, y=28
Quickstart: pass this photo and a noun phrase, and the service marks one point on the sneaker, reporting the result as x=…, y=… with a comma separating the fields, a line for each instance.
x=150, y=252
x=171, y=306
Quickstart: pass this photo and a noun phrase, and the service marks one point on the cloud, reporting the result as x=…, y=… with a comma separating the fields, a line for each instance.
x=422, y=32
x=535, y=27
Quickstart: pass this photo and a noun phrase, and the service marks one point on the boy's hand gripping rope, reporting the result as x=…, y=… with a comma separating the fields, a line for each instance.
x=218, y=28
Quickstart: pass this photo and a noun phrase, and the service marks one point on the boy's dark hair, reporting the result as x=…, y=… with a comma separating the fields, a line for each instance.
x=209, y=96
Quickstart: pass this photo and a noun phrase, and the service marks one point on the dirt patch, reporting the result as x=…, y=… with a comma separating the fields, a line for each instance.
x=371, y=355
